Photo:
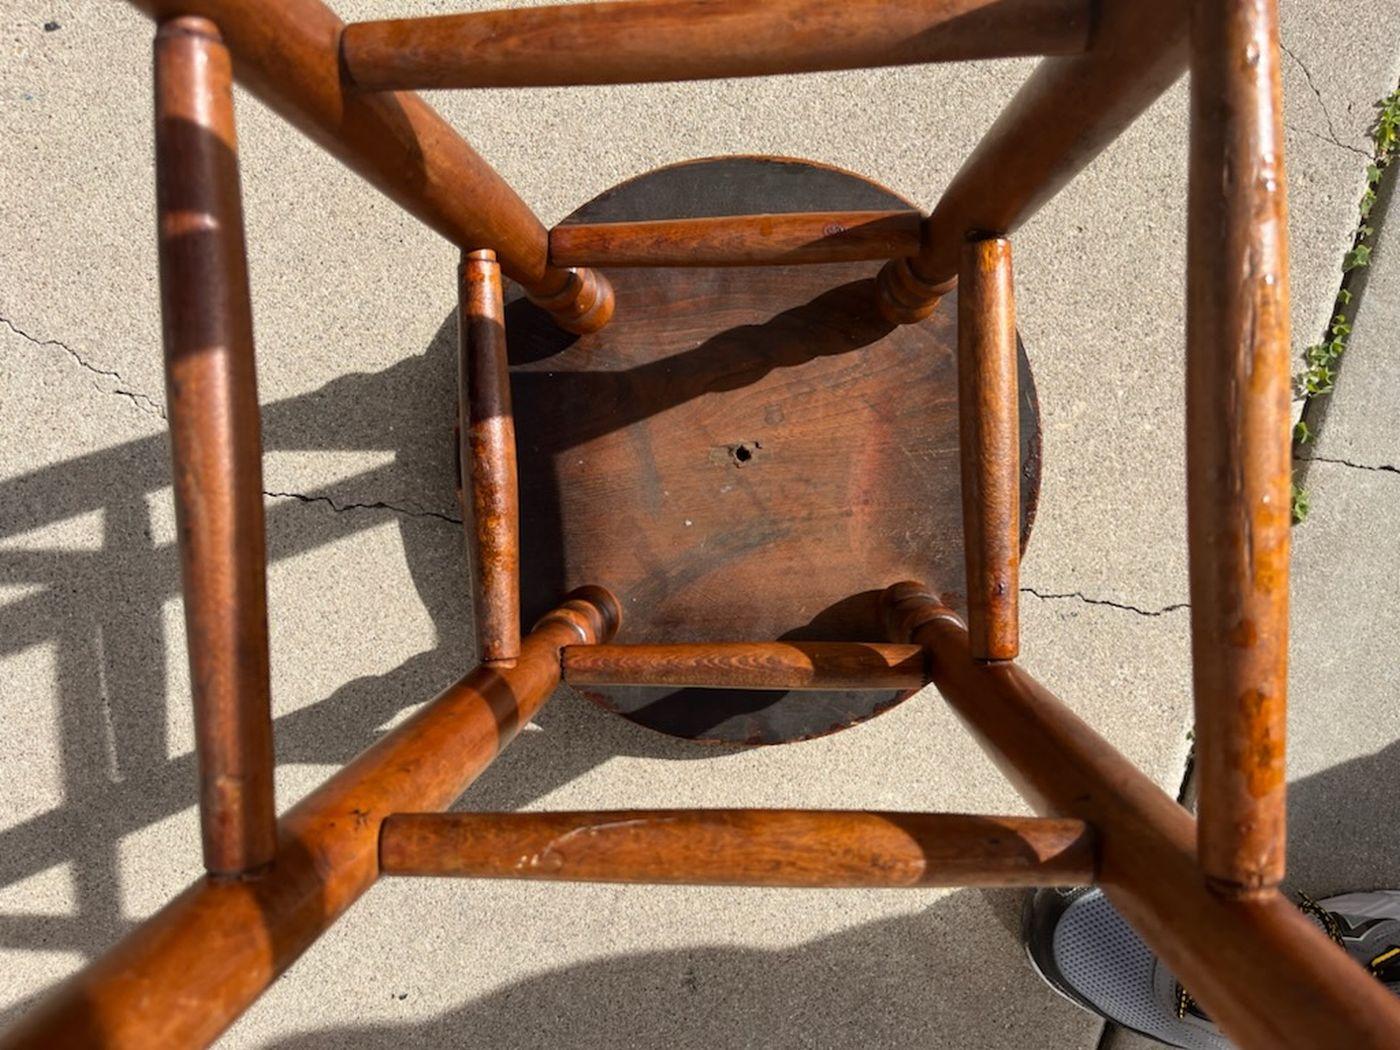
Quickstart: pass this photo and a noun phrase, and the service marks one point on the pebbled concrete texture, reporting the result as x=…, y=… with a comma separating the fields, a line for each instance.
x=1358, y=420
x=353, y=301
x=1344, y=680
x=1344, y=720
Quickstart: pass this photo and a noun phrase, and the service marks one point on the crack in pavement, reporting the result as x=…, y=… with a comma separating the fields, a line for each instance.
x=1328, y=139
x=1081, y=596
x=1385, y=468
x=145, y=404
x=142, y=402
x=1331, y=135
x=341, y=508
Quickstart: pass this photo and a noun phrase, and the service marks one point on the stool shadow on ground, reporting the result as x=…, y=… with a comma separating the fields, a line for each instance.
x=1343, y=833
x=100, y=610
x=909, y=981
x=915, y=980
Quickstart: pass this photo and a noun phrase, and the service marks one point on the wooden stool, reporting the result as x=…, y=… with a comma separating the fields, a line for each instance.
x=780, y=451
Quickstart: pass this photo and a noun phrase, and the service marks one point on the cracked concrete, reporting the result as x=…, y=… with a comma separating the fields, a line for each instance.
x=1344, y=686
x=1078, y=596
x=341, y=508
x=141, y=401
x=1386, y=467
x=1368, y=374
x=367, y=587
x=1331, y=135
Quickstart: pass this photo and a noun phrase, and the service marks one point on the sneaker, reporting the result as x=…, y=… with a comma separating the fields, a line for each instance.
x=1086, y=951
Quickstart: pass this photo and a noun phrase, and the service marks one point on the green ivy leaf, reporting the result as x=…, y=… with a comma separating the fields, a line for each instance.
x=1301, y=505
x=1357, y=258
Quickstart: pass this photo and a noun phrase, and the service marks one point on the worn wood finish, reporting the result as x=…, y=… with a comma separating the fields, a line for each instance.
x=287, y=52
x=743, y=452
x=662, y=40
x=1064, y=115
x=215, y=442
x=181, y=977
x=1267, y=974
x=1238, y=457
x=989, y=443
x=487, y=457
x=640, y=437
x=739, y=240
x=749, y=665
x=579, y=300
x=742, y=847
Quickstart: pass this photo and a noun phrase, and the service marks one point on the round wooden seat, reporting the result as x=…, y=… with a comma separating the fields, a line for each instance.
x=743, y=453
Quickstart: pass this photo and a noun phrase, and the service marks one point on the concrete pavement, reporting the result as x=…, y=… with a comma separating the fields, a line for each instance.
x=352, y=307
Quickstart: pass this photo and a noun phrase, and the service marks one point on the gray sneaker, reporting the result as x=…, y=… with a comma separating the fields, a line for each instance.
x=1086, y=951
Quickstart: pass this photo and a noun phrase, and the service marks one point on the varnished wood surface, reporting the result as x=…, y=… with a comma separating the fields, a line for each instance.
x=989, y=442
x=749, y=665
x=182, y=976
x=744, y=453
x=1264, y=972
x=580, y=300
x=1268, y=975
x=743, y=847
x=661, y=40
x=287, y=52
x=1238, y=456
x=739, y=240
x=1061, y=119
x=487, y=458
x=215, y=441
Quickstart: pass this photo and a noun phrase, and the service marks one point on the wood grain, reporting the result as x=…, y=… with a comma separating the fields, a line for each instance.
x=487, y=456
x=1238, y=456
x=742, y=847
x=1268, y=975
x=184, y=975
x=1061, y=119
x=749, y=665
x=287, y=53
x=989, y=445
x=739, y=240
x=744, y=453
x=215, y=442
x=664, y=40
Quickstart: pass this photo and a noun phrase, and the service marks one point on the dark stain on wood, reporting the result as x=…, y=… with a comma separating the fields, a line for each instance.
x=744, y=453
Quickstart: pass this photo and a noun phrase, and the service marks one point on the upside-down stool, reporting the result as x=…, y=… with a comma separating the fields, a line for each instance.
x=753, y=445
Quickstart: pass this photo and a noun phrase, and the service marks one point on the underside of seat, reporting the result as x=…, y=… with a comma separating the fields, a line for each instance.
x=744, y=452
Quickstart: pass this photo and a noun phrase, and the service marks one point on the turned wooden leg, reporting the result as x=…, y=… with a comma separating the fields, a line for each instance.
x=1059, y=121
x=195, y=965
x=487, y=456
x=216, y=447
x=989, y=441
x=1238, y=456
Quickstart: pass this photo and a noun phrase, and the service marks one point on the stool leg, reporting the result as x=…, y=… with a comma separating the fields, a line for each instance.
x=182, y=976
x=215, y=444
x=1064, y=115
x=989, y=436
x=487, y=454
x=1238, y=454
